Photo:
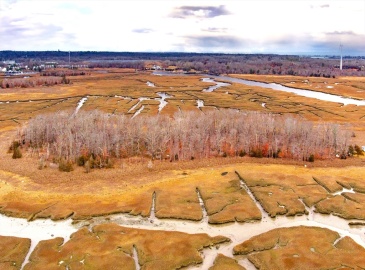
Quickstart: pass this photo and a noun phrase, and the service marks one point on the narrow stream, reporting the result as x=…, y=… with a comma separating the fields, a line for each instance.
x=344, y=190
x=139, y=101
x=80, y=104
x=150, y=84
x=214, y=87
x=202, y=205
x=135, y=258
x=162, y=99
x=138, y=112
x=153, y=208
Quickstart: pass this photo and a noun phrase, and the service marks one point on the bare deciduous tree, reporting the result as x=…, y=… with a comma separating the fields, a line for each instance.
x=185, y=136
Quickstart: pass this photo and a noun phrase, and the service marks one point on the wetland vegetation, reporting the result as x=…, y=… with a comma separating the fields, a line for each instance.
x=185, y=187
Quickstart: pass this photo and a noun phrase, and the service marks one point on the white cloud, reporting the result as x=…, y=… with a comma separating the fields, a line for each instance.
x=216, y=25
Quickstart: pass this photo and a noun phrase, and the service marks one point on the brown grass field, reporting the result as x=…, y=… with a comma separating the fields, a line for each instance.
x=302, y=248
x=282, y=187
x=106, y=89
x=110, y=246
x=223, y=262
x=13, y=251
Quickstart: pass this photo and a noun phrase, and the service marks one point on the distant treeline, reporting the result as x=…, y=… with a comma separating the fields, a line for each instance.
x=92, y=55
x=201, y=62
x=188, y=135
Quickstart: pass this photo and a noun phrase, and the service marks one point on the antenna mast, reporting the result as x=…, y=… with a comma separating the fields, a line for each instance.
x=69, y=60
x=341, y=56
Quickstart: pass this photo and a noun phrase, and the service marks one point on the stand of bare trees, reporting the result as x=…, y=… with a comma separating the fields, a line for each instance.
x=188, y=135
x=33, y=82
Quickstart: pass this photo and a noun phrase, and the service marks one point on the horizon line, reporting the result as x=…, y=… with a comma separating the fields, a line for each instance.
x=184, y=52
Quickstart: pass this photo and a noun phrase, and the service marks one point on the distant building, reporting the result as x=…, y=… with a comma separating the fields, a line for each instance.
x=171, y=68
x=51, y=64
x=152, y=67
x=155, y=67
x=9, y=62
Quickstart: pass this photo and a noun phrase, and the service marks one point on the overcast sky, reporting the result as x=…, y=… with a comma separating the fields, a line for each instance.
x=236, y=26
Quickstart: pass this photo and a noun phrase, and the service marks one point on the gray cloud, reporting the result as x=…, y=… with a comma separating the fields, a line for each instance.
x=199, y=12
x=12, y=28
x=7, y=4
x=142, y=30
x=215, y=30
x=19, y=28
x=214, y=42
x=321, y=6
x=326, y=44
x=341, y=33
x=20, y=33
x=353, y=44
x=44, y=14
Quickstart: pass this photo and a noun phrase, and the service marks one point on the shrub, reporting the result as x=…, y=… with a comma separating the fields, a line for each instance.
x=65, y=166
x=358, y=150
x=16, y=150
x=17, y=153
x=276, y=154
x=12, y=146
x=98, y=163
x=87, y=166
x=256, y=153
x=311, y=158
x=150, y=165
x=242, y=153
x=91, y=161
x=81, y=160
x=109, y=163
x=351, y=150
x=41, y=164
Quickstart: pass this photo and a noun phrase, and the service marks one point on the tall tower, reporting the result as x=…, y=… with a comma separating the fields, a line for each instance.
x=341, y=56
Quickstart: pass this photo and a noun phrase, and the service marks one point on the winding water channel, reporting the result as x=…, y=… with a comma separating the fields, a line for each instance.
x=274, y=86
x=238, y=232
x=300, y=92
